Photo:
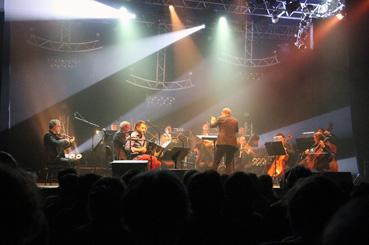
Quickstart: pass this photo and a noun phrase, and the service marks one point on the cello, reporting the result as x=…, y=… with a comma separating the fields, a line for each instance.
x=322, y=155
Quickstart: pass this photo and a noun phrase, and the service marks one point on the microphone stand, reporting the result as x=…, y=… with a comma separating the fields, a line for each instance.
x=156, y=128
x=81, y=119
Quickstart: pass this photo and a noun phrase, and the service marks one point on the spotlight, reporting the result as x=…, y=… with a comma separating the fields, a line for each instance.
x=222, y=20
x=203, y=26
x=275, y=18
x=292, y=5
x=171, y=7
x=340, y=16
x=125, y=15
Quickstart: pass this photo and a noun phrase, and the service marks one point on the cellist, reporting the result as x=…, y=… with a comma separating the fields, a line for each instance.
x=321, y=156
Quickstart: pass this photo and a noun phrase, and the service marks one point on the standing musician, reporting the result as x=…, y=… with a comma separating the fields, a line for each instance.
x=120, y=140
x=55, y=143
x=279, y=165
x=322, y=155
x=227, y=138
x=137, y=145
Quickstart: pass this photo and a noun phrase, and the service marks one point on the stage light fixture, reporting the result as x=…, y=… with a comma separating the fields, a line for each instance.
x=125, y=15
x=222, y=20
x=340, y=16
x=275, y=16
x=292, y=5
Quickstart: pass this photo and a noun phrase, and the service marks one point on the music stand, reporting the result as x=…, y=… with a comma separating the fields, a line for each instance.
x=304, y=143
x=176, y=154
x=275, y=148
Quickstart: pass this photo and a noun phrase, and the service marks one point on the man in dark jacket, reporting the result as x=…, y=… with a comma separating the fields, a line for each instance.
x=55, y=144
x=227, y=138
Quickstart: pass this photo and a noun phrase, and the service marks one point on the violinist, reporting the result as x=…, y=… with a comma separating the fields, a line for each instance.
x=321, y=156
x=55, y=143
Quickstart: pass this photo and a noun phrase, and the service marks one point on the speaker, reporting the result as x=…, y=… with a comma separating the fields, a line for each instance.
x=120, y=167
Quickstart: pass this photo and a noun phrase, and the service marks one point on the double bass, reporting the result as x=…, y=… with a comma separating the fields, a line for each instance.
x=278, y=166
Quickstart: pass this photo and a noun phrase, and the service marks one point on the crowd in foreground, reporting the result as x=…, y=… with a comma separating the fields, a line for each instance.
x=157, y=207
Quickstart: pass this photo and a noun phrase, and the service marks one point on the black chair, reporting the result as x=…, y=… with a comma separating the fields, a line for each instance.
x=53, y=166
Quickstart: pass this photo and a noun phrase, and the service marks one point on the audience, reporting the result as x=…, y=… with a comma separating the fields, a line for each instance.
x=157, y=207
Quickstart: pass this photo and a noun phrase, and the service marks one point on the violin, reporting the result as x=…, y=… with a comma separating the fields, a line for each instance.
x=64, y=136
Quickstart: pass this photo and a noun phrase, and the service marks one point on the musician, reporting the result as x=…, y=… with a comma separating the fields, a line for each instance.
x=120, y=140
x=137, y=145
x=227, y=138
x=204, y=150
x=246, y=152
x=166, y=136
x=55, y=143
x=322, y=155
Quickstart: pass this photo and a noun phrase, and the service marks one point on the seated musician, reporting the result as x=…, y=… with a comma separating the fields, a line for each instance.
x=322, y=155
x=204, y=150
x=246, y=152
x=55, y=143
x=120, y=140
x=137, y=145
x=166, y=137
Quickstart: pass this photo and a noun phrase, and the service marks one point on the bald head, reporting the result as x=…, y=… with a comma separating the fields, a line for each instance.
x=226, y=111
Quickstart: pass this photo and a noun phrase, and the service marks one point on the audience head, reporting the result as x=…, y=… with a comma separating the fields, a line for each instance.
x=187, y=176
x=265, y=183
x=22, y=220
x=127, y=176
x=86, y=181
x=105, y=199
x=68, y=185
x=293, y=175
x=311, y=203
x=156, y=205
x=65, y=172
x=240, y=191
x=349, y=225
x=7, y=159
x=206, y=193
